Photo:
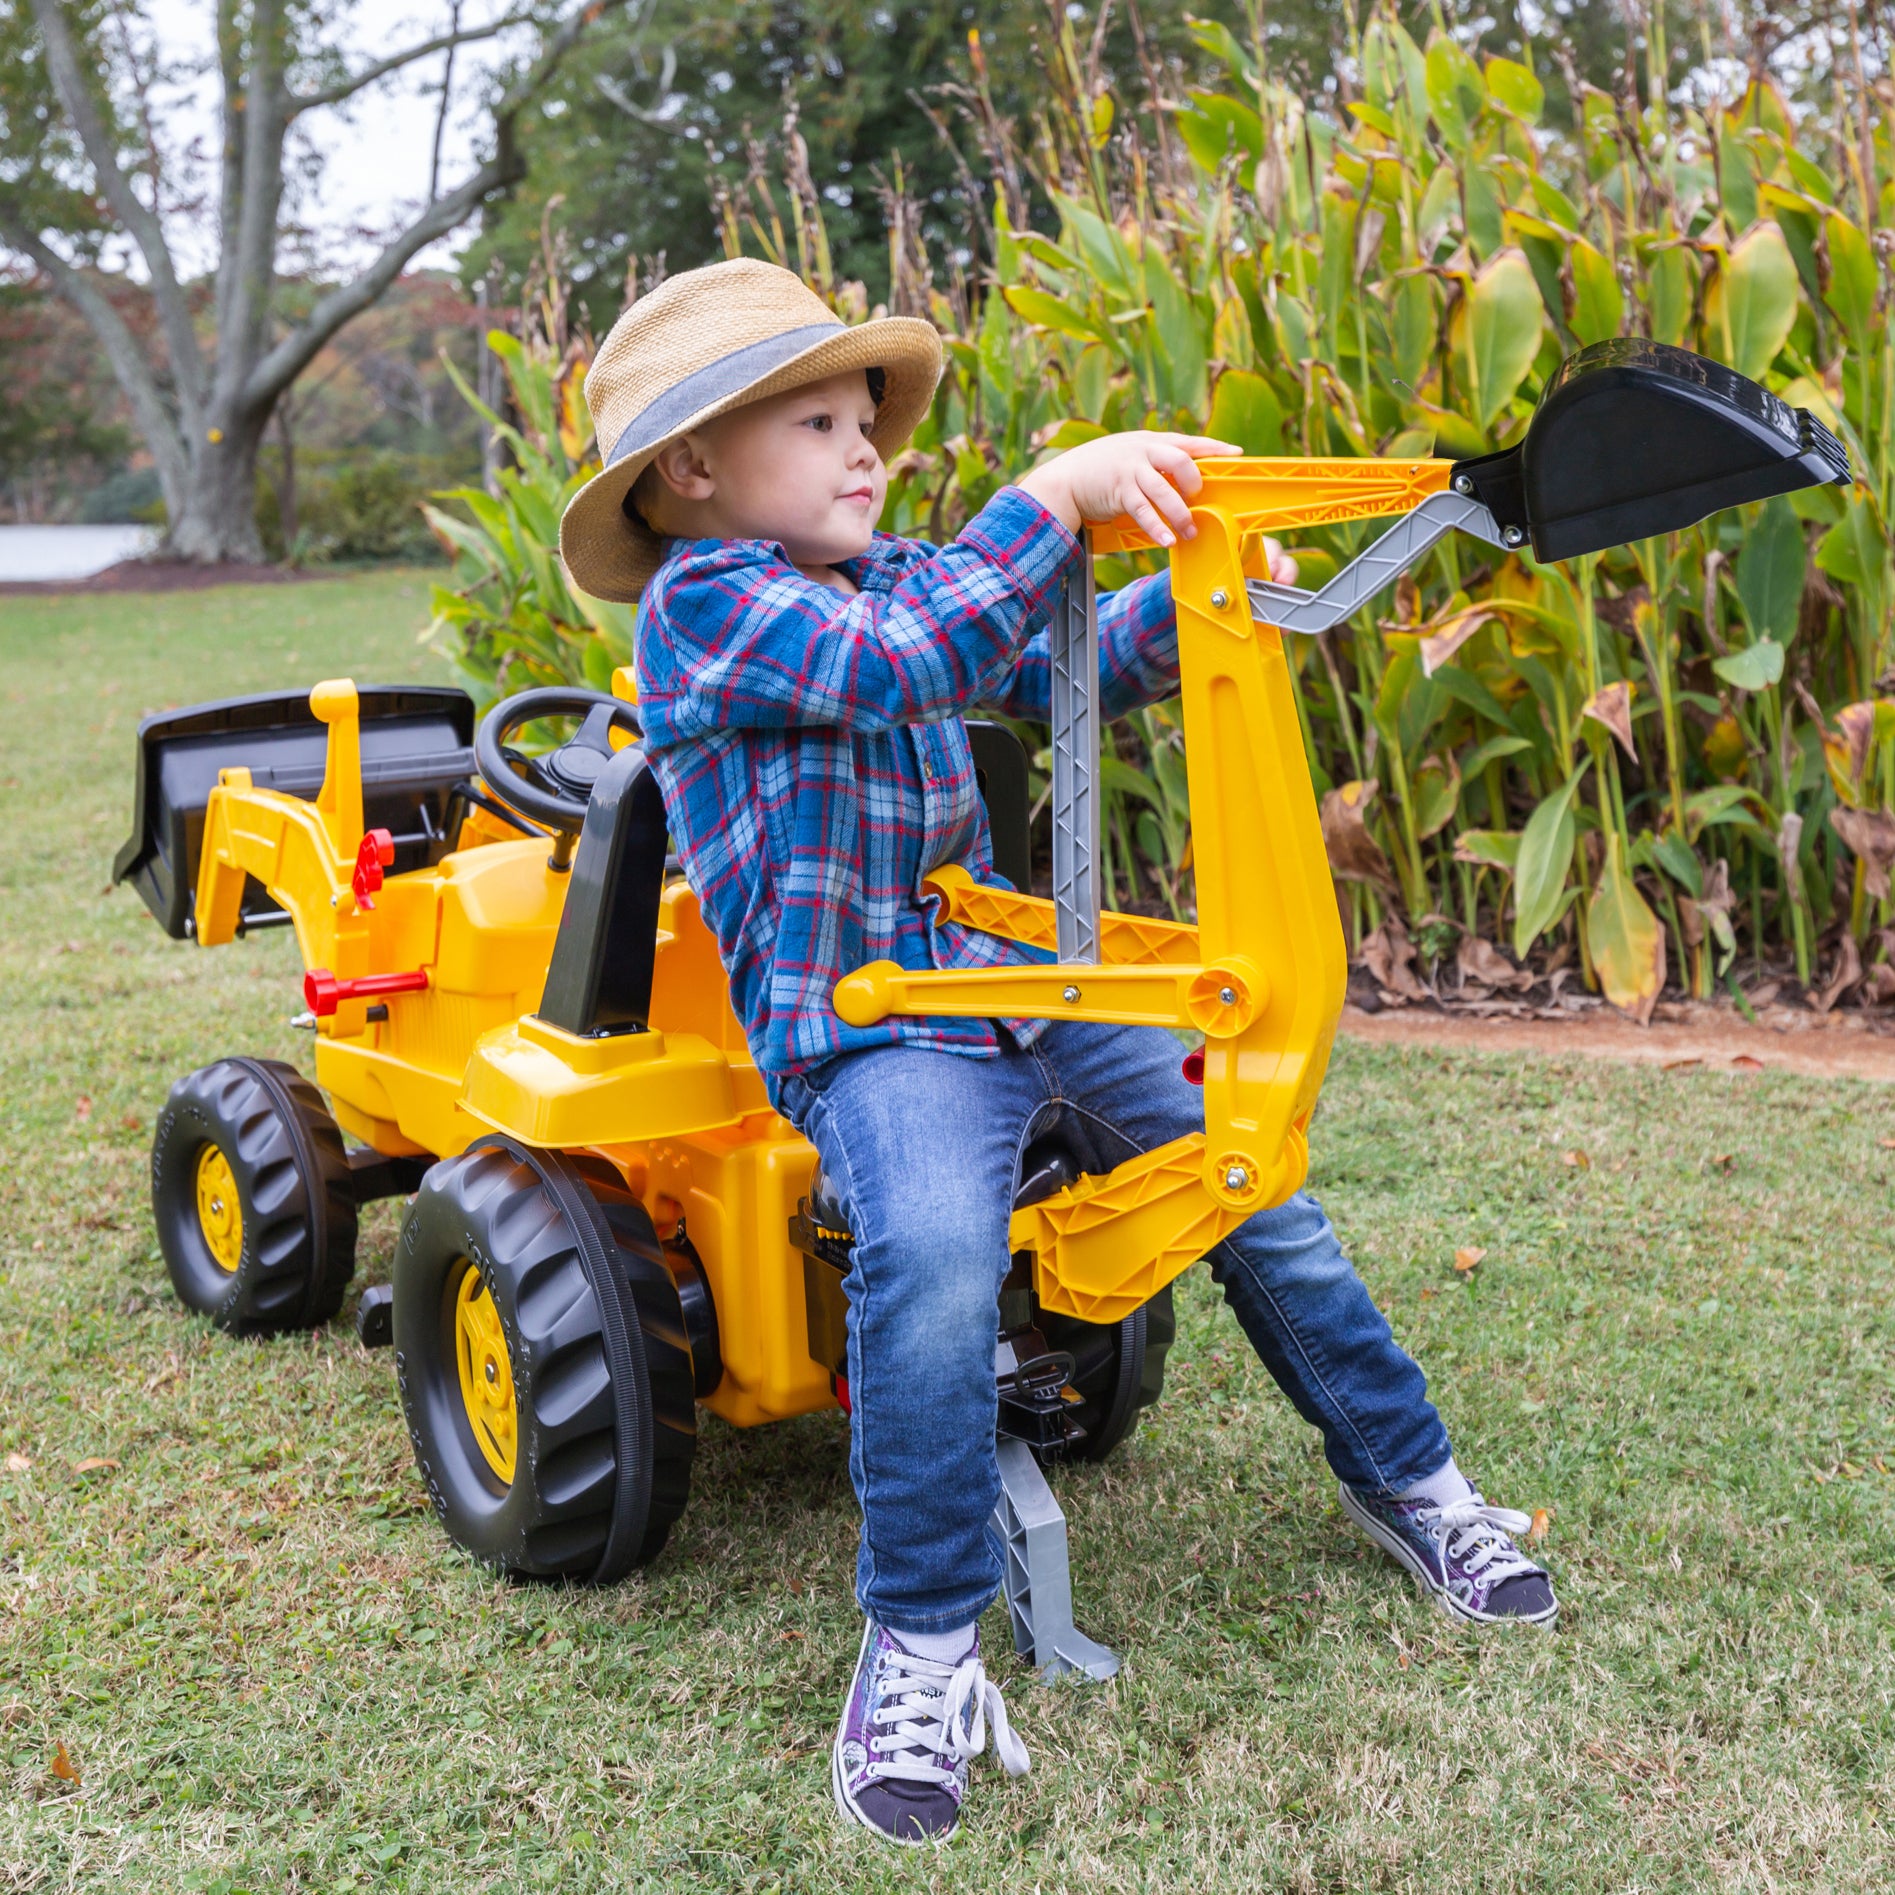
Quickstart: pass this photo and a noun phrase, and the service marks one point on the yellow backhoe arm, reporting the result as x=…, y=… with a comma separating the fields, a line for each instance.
x=1261, y=976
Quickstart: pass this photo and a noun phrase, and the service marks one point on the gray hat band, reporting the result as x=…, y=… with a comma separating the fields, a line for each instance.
x=728, y=375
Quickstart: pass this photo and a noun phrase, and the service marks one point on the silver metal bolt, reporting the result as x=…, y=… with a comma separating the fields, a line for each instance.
x=1228, y=995
x=1463, y=483
x=1512, y=535
x=1070, y=995
x=1236, y=1179
x=1220, y=598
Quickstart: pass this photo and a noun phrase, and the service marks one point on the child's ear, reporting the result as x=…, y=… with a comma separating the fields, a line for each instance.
x=682, y=467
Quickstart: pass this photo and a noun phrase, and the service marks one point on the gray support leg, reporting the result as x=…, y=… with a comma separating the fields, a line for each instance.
x=1073, y=645
x=1039, y=1582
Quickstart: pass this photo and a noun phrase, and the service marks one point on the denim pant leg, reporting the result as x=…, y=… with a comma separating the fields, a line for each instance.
x=921, y=1146
x=1307, y=1314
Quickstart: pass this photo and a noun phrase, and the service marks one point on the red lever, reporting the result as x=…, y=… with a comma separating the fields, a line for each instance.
x=375, y=854
x=1193, y=1067
x=323, y=993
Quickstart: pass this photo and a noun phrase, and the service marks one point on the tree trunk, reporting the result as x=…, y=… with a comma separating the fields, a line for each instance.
x=218, y=520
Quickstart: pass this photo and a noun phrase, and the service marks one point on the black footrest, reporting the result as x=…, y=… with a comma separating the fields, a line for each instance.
x=375, y=1317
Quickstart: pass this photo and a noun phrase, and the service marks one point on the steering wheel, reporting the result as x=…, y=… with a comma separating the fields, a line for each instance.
x=554, y=789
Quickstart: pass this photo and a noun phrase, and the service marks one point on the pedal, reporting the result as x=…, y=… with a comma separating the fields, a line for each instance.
x=1036, y=1401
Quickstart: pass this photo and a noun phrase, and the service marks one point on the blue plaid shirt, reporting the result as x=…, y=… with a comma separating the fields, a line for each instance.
x=815, y=766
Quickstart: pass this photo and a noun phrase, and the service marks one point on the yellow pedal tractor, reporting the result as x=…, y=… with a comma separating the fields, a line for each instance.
x=520, y=1017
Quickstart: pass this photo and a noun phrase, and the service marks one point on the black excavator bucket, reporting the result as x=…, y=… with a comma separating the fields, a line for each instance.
x=1633, y=438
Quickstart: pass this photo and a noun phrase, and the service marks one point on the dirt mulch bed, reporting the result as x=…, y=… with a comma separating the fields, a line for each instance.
x=1684, y=1034
x=161, y=575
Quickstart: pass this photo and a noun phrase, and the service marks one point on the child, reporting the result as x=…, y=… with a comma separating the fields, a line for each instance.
x=801, y=682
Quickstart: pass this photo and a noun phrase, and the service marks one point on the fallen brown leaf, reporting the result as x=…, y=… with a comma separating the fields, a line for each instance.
x=1483, y=965
x=1744, y=1063
x=1426, y=1293
x=92, y=1463
x=1847, y=973
x=1389, y=955
x=62, y=1765
x=1887, y=1144
x=1542, y=1523
x=1354, y=854
x=82, y=1107
x=1468, y=1259
x=131, y=1122
x=1690, y=1059
x=1870, y=836
x=18, y=1463
x=1577, y=1160
x=1723, y=1160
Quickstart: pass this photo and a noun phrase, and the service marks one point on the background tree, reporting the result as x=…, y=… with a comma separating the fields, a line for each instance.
x=87, y=193
x=656, y=115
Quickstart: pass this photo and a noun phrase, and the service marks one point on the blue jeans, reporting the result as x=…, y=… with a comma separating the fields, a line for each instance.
x=923, y=1148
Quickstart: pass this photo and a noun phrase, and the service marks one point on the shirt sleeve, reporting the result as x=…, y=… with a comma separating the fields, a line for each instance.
x=733, y=636
x=1138, y=655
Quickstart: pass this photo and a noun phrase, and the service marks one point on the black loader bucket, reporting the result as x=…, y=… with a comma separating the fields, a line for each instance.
x=1633, y=438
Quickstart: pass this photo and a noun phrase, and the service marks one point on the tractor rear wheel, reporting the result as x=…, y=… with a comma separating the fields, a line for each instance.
x=1118, y=1368
x=251, y=1192
x=544, y=1366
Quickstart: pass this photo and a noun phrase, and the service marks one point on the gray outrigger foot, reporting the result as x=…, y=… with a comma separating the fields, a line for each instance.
x=1039, y=1581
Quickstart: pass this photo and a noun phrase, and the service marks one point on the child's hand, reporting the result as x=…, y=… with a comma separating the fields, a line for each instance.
x=1149, y=476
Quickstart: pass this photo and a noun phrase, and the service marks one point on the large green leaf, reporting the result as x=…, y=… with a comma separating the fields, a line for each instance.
x=1852, y=274
x=1770, y=572
x=1755, y=668
x=1754, y=300
x=1598, y=302
x=1546, y=858
x=1514, y=87
x=1245, y=410
x=1497, y=330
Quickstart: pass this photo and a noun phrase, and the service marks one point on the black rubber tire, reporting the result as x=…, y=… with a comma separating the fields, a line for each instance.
x=293, y=1189
x=605, y=1419
x=1118, y=1367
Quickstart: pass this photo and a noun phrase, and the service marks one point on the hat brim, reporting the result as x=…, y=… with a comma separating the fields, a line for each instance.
x=611, y=555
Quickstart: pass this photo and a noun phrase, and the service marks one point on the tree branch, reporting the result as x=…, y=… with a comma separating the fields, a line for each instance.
x=346, y=88
x=174, y=313
x=155, y=420
x=299, y=348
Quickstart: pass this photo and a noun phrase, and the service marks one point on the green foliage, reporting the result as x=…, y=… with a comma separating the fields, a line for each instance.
x=1402, y=283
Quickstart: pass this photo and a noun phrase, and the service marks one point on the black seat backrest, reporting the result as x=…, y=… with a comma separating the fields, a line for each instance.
x=604, y=956
x=599, y=980
x=416, y=747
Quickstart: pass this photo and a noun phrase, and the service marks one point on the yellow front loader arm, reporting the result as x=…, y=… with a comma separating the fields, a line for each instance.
x=1263, y=973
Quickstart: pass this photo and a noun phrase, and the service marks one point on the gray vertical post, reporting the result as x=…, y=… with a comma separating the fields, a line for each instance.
x=1032, y=1533
x=1073, y=637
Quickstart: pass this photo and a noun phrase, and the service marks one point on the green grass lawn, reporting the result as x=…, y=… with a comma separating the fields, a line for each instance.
x=271, y=1671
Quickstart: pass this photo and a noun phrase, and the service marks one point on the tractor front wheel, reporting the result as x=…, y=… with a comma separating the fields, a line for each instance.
x=251, y=1192
x=544, y=1366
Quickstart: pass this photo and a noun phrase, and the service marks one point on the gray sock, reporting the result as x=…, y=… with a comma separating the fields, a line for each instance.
x=1442, y=1488
x=944, y=1648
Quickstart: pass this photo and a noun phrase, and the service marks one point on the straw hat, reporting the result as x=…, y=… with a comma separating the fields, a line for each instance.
x=702, y=343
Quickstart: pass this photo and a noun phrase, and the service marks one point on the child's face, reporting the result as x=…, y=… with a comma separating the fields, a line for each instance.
x=800, y=468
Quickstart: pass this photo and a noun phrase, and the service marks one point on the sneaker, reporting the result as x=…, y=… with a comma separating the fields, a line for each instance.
x=909, y=1727
x=1464, y=1555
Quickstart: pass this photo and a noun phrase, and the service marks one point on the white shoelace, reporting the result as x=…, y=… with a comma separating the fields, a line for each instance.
x=927, y=1707
x=1479, y=1536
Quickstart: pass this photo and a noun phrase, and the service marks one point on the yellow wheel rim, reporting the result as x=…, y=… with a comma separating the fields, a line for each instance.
x=218, y=1214
x=480, y=1350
